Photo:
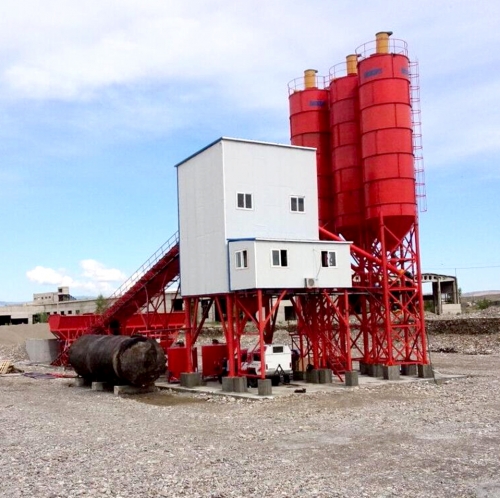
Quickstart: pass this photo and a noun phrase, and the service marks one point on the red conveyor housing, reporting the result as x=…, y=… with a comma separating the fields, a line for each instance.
x=139, y=306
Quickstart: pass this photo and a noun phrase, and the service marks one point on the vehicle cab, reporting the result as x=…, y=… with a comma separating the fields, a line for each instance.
x=276, y=360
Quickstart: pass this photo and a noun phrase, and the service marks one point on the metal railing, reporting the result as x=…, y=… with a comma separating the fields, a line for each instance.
x=416, y=118
x=145, y=267
x=298, y=84
x=396, y=46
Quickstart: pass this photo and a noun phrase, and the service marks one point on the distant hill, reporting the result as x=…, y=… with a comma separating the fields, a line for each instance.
x=8, y=303
x=491, y=293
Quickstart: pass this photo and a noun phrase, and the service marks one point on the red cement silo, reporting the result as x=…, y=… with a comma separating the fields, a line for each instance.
x=386, y=140
x=346, y=154
x=310, y=127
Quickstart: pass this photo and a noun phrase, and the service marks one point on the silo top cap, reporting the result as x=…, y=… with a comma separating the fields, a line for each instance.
x=388, y=33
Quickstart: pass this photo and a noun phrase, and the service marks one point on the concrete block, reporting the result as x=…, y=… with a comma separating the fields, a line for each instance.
x=409, y=370
x=390, y=372
x=363, y=368
x=239, y=384
x=425, y=371
x=190, y=379
x=324, y=376
x=375, y=370
x=264, y=387
x=351, y=379
x=101, y=386
x=227, y=384
x=119, y=390
x=234, y=384
x=42, y=350
x=312, y=376
x=81, y=382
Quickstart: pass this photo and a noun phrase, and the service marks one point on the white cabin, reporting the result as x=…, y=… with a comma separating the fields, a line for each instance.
x=248, y=219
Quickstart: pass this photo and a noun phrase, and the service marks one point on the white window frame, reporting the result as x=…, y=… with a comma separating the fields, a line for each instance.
x=326, y=257
x=296, y=199
x=247, y=198
x=241, y=259
x=281, y=253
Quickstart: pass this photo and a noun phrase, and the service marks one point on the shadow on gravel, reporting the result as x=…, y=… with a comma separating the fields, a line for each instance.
x=166, y=399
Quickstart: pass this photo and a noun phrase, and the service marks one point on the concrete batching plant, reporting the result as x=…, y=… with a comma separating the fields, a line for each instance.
x=328, y=223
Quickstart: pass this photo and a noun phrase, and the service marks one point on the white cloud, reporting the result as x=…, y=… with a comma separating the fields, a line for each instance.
x=207, y=56
x=96, y=271
x=43, y=275
x=95, y=277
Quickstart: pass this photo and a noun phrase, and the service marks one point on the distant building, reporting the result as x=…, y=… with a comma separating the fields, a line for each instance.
x=47, y=303
x=445, y=296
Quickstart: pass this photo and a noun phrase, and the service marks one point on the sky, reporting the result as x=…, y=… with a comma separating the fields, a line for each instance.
x=100, y=99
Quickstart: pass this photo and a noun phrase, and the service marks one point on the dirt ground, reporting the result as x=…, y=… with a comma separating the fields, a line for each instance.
x=391, y=440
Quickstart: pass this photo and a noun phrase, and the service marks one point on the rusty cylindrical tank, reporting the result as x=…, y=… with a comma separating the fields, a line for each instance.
x=386, y=141
x=310, y=127
x=117, y=359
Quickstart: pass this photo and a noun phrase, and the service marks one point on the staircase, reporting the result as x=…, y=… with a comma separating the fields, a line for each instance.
x=160, y=271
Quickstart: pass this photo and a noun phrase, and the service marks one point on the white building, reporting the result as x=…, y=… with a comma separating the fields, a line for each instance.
x=248, y=219
x=46, y=303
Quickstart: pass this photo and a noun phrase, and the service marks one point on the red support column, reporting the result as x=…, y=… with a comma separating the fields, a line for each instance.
x=420, y=304
x=261, y=326
x=188, y=335
x=348, y=344
x=388, y=357
x=230, y=334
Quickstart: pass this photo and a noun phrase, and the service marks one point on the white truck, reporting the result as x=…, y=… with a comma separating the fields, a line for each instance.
x=277, y=364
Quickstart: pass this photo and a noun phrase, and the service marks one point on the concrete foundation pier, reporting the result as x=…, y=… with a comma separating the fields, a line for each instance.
x=324, y=376
x=81, y=382
x=234, y=384
x=425, y=371
x=351, y=379
x=312, y=376
x=101, y=386
x=390, y=372
x=264, y=387
x=410, y=370
x=375, y=370
x=190, y=379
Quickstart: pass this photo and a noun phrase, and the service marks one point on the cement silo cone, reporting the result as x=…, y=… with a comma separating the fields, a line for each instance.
x=346, y=156
x=310, y=127
x=386, y=143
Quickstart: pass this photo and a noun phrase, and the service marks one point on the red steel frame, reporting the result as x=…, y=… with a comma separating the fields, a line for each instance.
x=380, y=320
x=139, y=306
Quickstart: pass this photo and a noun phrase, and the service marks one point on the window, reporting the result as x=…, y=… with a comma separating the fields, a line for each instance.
x=177, y=304
x=328, y=259
x=297, y=204
x=279, y=257
x=241, y=259
x=278, y=349
x=244, y=201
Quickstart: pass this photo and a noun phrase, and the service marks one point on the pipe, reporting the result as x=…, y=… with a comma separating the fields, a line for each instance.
x=352, y=64
x=382, y=40
x=310, y=78
x=364, y=253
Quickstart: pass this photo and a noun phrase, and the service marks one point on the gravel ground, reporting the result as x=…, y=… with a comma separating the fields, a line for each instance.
x=389, y=441
x=392, y=440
